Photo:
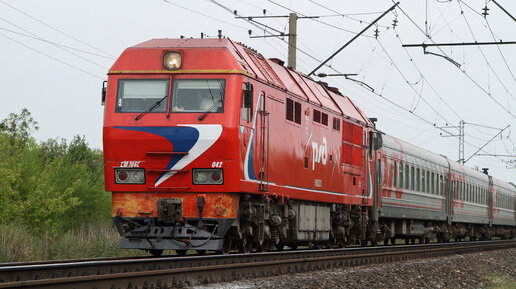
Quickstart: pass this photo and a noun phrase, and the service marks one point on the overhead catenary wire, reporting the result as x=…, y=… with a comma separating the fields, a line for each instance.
x=51, y=57
x=425, y=79
x=346, y=15
x=316, y=20
x=257, y=26
x=500, y=51
x=58, y=44
x=57, y=30
x=205, y=15
x=485, y=58
x=55, y=44
x=232, y=11
x=412, y=87
x=463, y=71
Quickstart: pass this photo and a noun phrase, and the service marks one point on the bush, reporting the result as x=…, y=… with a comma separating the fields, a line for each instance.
x=48, y=193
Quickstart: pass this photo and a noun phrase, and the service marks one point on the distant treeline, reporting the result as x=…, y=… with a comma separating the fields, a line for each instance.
x=49, y=187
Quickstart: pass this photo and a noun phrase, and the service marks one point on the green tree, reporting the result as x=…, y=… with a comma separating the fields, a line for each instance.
x=50, y=187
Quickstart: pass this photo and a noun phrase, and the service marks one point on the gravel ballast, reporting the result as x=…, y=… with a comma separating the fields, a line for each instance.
x=476, y=270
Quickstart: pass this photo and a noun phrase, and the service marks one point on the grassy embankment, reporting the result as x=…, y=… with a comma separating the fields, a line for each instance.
x=18, y=244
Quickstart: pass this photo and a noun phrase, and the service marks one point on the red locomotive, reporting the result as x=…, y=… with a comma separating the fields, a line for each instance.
x=210, y=146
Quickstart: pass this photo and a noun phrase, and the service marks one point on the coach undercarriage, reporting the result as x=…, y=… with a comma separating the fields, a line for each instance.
x=426, y=231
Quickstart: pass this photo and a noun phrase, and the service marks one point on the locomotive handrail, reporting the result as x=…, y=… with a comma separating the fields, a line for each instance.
x=161, y=171
x=167, y=153
x=169, y=188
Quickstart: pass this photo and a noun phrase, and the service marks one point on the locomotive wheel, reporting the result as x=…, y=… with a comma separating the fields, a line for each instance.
x=226, y=246
x=156, y=252
x=245, y=246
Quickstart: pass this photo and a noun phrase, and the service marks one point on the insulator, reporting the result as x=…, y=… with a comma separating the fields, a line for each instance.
x=485, y=13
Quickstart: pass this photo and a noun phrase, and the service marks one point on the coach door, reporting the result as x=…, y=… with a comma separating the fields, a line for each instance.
x=490, y=193
x=448, y=195
x=262, y=143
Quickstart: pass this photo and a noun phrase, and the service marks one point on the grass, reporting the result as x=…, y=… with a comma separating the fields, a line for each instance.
x=18, y=244
x=501, y=281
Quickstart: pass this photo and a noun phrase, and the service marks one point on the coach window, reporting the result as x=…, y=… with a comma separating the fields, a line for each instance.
x=412, y=180
x=400, y=177
x=417, y=179
x=395, y=174
x=407, y=175
x=440, y=185
x=427, y=181
x=198, y=95
x=139, y=95
x=423, y=188
x=432, y=183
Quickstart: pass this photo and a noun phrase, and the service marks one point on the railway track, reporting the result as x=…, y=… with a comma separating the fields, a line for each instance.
x=171, y=272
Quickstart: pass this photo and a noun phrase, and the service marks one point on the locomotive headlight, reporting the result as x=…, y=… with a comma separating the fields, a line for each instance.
x=172, y=60
x=129, y=176
x=200, y=177
x=208, y=176
x=138, y=176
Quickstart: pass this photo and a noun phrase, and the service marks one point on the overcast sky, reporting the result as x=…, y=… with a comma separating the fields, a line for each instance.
x=55, y=55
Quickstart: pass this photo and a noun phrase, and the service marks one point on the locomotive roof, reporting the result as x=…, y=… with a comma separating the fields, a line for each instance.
x=239, y=58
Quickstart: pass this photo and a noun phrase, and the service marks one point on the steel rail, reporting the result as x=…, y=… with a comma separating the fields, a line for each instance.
x=181, y=271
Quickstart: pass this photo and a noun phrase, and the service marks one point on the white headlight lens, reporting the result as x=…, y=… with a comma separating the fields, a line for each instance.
x=138, y=176
x=200, y=177
x=172, y=60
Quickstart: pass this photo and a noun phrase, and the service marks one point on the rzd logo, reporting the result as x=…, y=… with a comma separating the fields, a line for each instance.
x=319, y=153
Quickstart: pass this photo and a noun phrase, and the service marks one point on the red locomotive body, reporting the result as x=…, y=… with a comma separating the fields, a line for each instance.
x=209, y=146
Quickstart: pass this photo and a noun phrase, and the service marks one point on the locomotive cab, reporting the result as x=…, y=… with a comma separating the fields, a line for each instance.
x=169, y=158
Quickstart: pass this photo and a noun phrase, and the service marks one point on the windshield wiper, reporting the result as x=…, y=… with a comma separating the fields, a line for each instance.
x=201, y=117
x=150, y=108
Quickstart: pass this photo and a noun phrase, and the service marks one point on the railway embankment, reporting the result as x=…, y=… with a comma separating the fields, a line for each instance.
x=490, y=269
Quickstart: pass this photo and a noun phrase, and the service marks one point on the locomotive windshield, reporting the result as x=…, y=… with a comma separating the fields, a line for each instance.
x=188, y=95
x=138, y=95
x=198, y=95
